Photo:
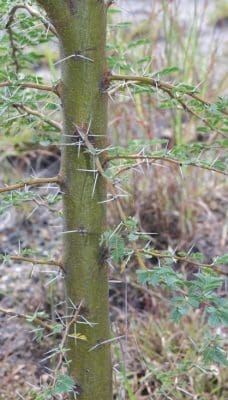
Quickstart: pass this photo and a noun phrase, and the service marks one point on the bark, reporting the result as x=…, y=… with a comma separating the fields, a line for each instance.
x=81, y=28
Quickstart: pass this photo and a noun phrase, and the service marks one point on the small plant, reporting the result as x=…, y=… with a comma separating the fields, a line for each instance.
x=71, y=113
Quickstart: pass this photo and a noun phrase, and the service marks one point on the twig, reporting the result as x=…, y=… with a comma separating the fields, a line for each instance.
x=162, y=158
x=34, y=261
x=33, y=13
x=31, y=182
x=164, y=86
x=25, y=85
x=14, y=48
x=190, y=111
x=43, y=117
x=64, y=339
x=183, y=259
x=157, y=83
x=38, y=321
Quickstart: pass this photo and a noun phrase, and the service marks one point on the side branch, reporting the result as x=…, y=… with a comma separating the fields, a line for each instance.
x=28, y=110
x=164, y=86
x=65, y=338
x=33, y=261
x=184, y=259
x=33, y=13
x=170, y=160
x=35, y=320
x=31, y=182
x=30, y=85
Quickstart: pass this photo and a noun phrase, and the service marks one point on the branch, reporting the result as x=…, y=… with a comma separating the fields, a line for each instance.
x=30, y=111
x=65, y=338
x=31, y=85
x=183, y=259
x=147, y=159
x=34, y=261
x=31, y=182
x=33, y=13
x=165, y=87
x=38, y=321
x=190, y=111
x=14, y=48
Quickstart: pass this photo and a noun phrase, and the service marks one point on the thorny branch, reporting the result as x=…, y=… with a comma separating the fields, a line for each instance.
x=158, y=84
x=14, y=48
x=190, y=111
x=31, y=182
x=30, y=111
x=64, y=339
x=34, y=261
x=151, y=159
x=30, y=85
x=170, y=90
x=33, y=13
x=26, y=317
x=185, y=259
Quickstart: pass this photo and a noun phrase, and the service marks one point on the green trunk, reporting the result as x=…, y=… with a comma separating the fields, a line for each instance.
x=81, y=27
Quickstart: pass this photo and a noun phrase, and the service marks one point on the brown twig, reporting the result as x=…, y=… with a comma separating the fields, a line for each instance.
x=31, y=85
x=64, y=339
x=14, y=48
x=30, y=111
x=31, y=182
x=161, y=158
x=185, y=259
x=164, y=86
x=34, y=261
x=36, y=320
x=156, y=83
x=33, y=13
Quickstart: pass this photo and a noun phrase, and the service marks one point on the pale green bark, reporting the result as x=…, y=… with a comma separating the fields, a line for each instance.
x=81, y=25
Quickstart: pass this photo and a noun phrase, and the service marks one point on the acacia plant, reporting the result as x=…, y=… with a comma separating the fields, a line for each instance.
x=90, y=171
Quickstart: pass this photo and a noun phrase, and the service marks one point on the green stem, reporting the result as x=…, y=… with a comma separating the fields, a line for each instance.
x=81, y=28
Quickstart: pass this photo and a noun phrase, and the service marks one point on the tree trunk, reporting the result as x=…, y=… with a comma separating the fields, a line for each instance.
x=81, y=28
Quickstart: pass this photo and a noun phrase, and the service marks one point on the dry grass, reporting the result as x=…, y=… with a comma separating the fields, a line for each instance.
x=185, y=208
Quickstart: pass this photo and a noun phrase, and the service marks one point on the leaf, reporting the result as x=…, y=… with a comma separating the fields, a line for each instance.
x=167, y=71
x=221, y=260
x=79, y=336
x=64, y=384
x=115, y=244
x=176, y=315
x=215, y=354
x=184, y=88
x=57, y=328
x=166, y=104
x=203, y=129
x=139, y=42
x=133, y=237
x=214, y=320
x=194, y=302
